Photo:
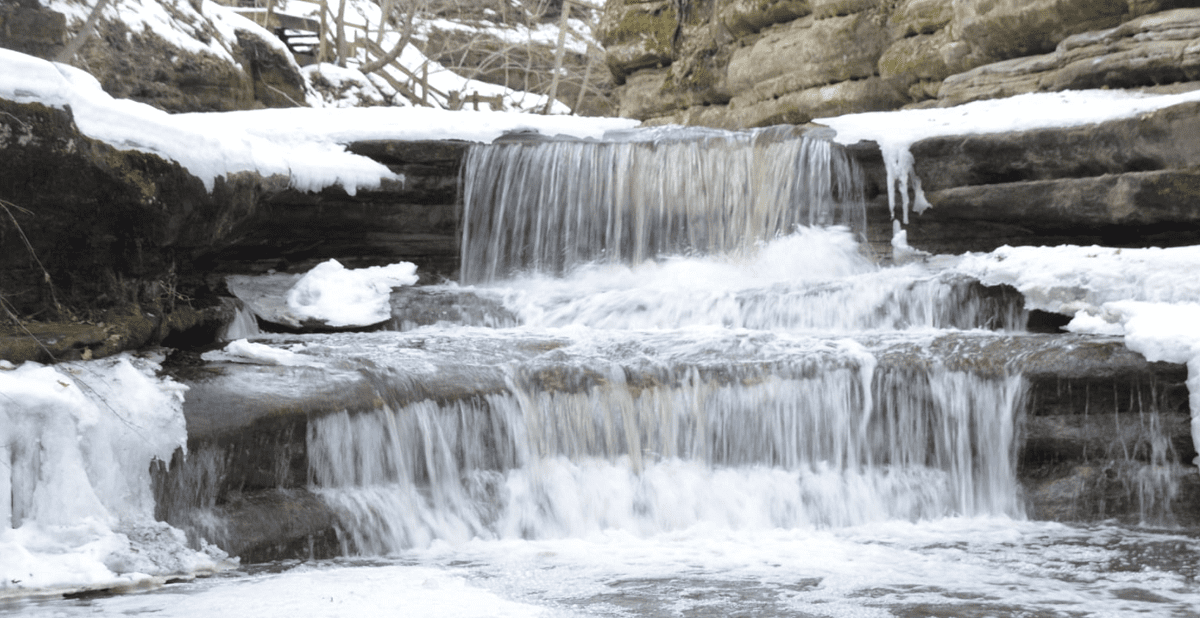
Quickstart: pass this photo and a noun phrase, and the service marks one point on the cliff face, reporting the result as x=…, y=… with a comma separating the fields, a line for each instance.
x=748, y=63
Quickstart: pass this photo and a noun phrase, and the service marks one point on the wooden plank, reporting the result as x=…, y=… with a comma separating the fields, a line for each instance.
x=292, y=22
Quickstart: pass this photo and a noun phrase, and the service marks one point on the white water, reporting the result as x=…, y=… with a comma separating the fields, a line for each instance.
x=759, y=427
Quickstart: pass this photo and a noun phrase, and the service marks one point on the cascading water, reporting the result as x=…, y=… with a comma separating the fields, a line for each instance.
x=670, y=383
x=737, y=251
x=551, y=206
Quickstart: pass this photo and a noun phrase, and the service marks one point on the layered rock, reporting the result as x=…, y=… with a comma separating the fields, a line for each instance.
x=1128, y=182
x=1156, y=49
x=132, y=249
x=737, y=64
x=1095, y=416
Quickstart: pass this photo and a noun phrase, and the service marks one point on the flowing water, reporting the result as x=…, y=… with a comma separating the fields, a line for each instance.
x=703, y=399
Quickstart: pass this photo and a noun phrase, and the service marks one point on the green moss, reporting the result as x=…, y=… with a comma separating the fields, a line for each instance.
x=658, y=28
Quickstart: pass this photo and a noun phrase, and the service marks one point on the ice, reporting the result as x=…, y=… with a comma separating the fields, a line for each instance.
x=340, y=296
x=897, y=131
x=76, y=508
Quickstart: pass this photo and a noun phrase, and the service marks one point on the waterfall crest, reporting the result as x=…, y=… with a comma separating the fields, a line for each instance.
x=551, y=205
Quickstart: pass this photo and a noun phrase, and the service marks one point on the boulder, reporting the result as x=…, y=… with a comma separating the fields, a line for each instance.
x=637, y=35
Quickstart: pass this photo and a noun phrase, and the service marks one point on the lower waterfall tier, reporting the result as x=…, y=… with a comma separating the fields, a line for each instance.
x=373, y=443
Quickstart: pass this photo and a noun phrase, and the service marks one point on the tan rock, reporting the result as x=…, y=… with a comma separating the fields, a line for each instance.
x=920, y=17
x=864, y=95
x=642, y=96
x=637, y=36
x=1001, y=29
x=743, y=17
x=1155, y=49
x=807, y=53
x=823, y=9
x=924, y=57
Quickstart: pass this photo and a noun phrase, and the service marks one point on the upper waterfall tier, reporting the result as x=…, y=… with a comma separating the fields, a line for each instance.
x=547, y=206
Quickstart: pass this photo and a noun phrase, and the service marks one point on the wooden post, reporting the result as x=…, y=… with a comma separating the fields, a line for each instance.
x=558, y=54
x=270, y=12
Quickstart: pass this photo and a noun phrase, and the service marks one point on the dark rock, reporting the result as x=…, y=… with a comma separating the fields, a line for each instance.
x=30, y=29
x=1126, y=210
x=1168, y=138
x=87, y=225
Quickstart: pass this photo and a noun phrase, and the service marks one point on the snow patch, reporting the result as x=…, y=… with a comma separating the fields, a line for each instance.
x=339, y=297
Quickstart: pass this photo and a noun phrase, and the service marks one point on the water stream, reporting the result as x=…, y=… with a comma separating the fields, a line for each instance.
x=702, y=399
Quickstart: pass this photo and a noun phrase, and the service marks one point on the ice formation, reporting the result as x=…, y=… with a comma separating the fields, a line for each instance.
x=76, y=507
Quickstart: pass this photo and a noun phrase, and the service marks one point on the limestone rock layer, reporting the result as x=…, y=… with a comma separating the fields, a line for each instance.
x=744, y=63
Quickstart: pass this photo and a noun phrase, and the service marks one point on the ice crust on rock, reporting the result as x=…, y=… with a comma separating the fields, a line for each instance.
x=76, y=507
x=1150, y=296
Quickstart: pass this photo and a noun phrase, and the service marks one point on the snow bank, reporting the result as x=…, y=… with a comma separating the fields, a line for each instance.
x=76, y=508
x=339, y=297
x=1149, y=296
x=896, y=131
x=305, y=144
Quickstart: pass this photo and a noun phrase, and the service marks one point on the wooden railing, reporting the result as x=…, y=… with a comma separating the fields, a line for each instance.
x=331, y=30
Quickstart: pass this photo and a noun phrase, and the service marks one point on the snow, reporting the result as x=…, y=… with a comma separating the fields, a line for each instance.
x=339, y=296
x=304, y=144
x=1150, y=296
x=76, y=508
x=897, y=131
x=244, y=351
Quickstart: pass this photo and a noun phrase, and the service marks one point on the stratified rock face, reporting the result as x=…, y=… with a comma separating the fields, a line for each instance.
x=1161, y=48
x=741, y=63
x=1128, y=182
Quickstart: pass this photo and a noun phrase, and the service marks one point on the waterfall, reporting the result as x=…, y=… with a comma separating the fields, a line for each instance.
x=549, y=206
x=823, y=442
